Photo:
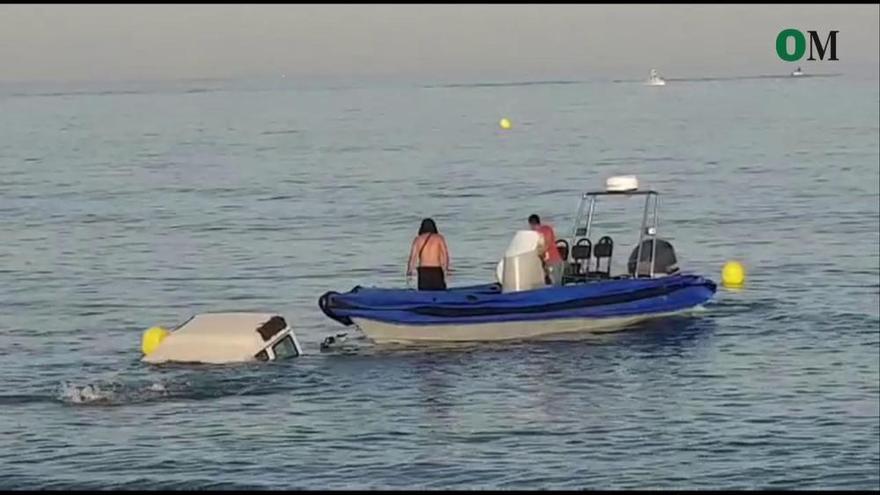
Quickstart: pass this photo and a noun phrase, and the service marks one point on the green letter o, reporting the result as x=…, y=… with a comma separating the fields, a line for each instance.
x=800, y=45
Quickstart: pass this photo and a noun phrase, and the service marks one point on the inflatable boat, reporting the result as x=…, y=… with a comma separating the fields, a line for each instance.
x=523, y=304
x=487, y=313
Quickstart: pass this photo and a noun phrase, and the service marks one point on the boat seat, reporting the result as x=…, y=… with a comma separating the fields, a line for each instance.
x=665, y=262
x=603, y=249
x=562, y=247
x=580, y=260
x=581, y=253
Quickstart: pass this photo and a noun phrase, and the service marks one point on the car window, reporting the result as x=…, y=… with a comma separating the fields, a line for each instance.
x=285, y=348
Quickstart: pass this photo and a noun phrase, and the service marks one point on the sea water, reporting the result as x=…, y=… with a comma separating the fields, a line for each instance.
x=139, y=205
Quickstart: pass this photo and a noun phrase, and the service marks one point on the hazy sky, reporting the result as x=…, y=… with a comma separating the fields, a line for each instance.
x=117, y=42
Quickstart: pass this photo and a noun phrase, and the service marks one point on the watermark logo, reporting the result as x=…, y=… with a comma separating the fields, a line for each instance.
x=800, y=45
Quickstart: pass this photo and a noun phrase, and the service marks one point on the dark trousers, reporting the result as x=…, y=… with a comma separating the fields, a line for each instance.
x=431, y=278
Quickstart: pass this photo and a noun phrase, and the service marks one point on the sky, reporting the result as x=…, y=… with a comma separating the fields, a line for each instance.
x=446, y=42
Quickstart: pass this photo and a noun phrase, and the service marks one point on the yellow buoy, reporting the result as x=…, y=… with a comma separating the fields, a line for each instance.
x=504, y=123
x=152, y=338
x=733, y=274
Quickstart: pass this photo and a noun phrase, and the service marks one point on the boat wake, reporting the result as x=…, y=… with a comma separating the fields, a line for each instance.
x=203, y=384
x=110, y=393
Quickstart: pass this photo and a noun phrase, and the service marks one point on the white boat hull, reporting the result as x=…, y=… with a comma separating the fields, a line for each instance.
x=382, y=332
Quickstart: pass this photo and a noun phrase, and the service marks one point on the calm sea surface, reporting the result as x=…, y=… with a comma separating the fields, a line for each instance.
x=127, y=208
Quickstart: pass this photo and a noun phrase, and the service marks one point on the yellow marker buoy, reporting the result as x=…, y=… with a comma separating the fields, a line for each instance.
x=733, y=274
x=152, y=338
x=504, y=123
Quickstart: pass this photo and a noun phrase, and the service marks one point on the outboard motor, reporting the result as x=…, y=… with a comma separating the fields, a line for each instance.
x=665, y=262
x=521, y=269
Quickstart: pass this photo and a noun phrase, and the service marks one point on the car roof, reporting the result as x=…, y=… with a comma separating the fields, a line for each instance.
x=224, y=324
x=214, y=338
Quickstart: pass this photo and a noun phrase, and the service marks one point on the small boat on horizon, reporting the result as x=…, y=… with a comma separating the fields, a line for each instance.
x=797, y=72
x=655, y=79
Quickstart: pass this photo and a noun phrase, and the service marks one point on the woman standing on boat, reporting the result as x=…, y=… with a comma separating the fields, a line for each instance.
x=430, y=254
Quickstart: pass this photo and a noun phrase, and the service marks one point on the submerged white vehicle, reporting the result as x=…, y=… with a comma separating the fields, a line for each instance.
x=655, y=79
x=218, y=338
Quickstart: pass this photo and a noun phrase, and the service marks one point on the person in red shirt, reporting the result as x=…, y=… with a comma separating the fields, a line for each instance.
x=553, y=262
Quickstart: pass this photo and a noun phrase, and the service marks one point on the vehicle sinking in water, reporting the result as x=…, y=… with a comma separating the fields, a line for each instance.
x=522, y=304
x=219, y=338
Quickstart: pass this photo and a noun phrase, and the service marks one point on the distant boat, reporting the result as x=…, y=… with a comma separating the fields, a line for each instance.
x=655, y=80
x=797, y=73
